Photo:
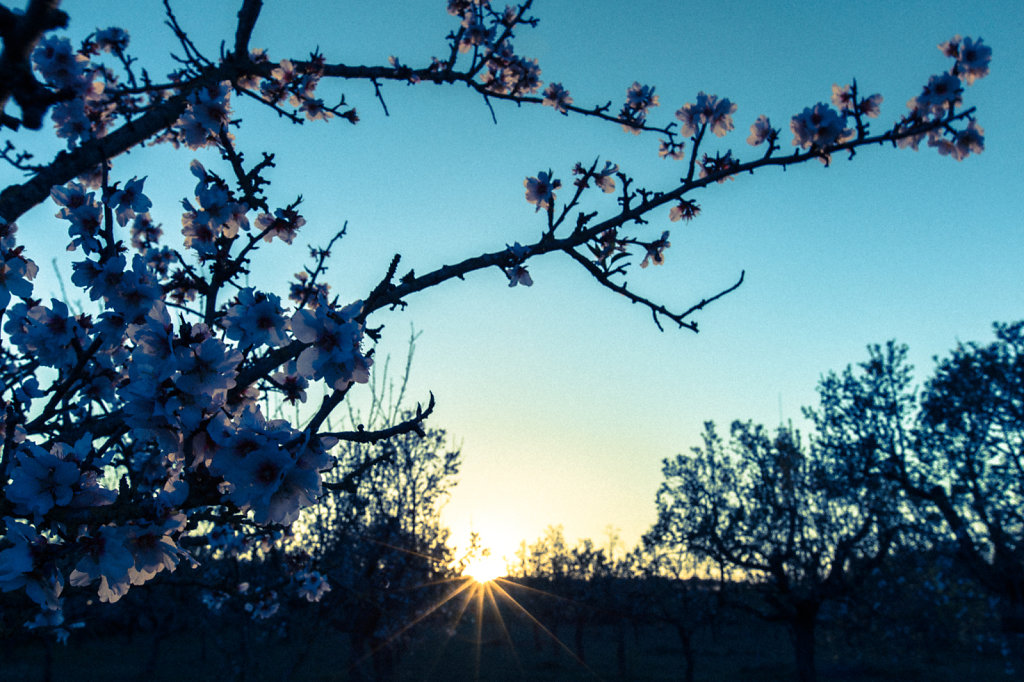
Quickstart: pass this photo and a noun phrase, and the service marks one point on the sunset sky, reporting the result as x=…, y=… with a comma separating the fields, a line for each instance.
x=563, y=397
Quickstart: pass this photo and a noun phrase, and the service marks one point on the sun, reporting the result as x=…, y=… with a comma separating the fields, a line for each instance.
x=484, y=569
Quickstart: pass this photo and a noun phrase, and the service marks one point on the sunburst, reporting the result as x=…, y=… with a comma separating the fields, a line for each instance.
x=480, y=594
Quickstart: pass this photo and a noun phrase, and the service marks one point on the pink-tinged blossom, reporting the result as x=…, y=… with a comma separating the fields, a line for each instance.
x=972, y=58
x=267, y=481
x=818, y=126
x=475, y=33
x=15, y=273
x=41, y=481
x=315, y=109
x=605, y=177
x=89, y=492
x=306, y=292
x=71, y=121
x=83, y=212
x=291, y=384
x=28, y=563
x=656, y=251
x=154, y=343
x=208, y=112
x=540, y=190
x=558, y=97
x=460, y=8
x=136, y=293
x=47, y=334
x=129, y=201
x=844, y=99
x=971, y=139
x=100, y=277
x=312, y=585
x=760, y=131
x=207, y=368
x=283, y=224
x=149, y=406
x=112, y=39
x=256, y=320
x=248, y=433
x=285, y=73
x=145, y=233
x=333, y=337
x=942, y=93
x=153, y=549
x=57, y=62
x=299, y=488
x=685, y=210
x=639, y=98
x=107, y=559
x=517, y=274
x=509, y=74
x=871, y=106
x=709, y=111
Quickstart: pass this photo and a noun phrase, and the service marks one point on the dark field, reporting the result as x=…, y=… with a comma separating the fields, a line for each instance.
x=738, y=649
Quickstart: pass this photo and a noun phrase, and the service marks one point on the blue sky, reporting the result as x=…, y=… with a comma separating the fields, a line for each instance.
x=564, y=397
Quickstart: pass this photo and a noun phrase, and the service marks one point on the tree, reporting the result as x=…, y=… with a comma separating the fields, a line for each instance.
x=967, y=465
x=383, y=546
x=126, y=428
x=672, y=592
x=803, y=525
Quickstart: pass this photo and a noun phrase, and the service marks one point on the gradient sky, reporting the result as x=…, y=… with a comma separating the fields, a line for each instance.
x=564, y=398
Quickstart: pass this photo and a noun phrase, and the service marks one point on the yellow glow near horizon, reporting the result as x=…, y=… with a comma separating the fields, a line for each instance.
x=484, y=569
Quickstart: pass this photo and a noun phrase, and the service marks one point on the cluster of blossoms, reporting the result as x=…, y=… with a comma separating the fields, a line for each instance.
x=85, y=113
x=509, y=74
x=134, y=393
x=485, y=32
x=816, y=130
x=707, y=112
x=295, y=83
x=943, y=93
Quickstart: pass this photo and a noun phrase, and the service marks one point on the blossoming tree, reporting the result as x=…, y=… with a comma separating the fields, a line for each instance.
x=128, y=430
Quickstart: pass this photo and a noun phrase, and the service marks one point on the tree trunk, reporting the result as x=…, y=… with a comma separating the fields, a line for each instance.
x=801, y=628
x=686, y=639
x=580, y=651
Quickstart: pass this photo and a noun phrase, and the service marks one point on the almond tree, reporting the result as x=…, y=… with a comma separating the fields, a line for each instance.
x=126, y=429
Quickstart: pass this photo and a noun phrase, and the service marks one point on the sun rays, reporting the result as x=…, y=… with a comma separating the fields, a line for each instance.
x=477, y=608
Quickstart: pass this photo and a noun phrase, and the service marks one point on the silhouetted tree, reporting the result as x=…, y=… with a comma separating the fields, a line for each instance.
x=967, y=463
x=803, y=524
x=678, y=591
x=383, y=545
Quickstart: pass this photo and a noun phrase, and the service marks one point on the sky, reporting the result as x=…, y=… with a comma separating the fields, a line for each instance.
x=563, y=397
